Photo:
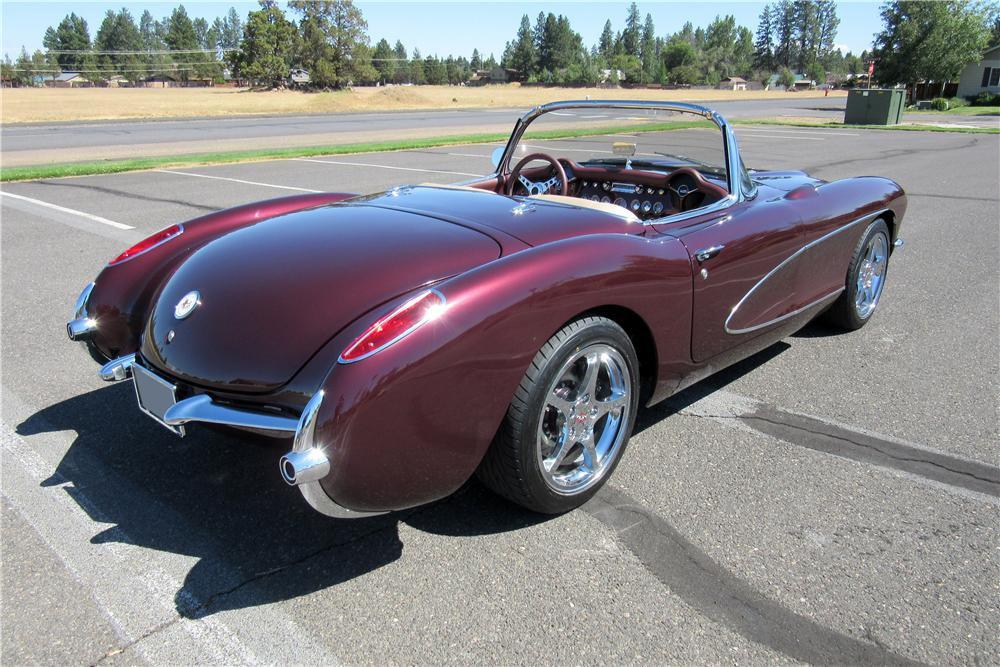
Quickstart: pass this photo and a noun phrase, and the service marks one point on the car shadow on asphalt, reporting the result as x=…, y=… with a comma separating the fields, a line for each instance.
x=217, y=496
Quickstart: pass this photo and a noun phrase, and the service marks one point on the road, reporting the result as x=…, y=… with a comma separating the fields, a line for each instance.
x=73, y=142
x=832, y=499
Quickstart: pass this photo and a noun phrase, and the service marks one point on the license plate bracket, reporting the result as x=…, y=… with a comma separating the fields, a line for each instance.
x=155, y=395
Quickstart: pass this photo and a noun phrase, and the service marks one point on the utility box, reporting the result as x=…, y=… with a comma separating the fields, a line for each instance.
x=874, y=106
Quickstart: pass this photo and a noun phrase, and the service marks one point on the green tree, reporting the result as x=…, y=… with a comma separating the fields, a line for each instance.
x=477, y=61
x=928, y=41
x=632, y=34
x=70, y=37
x=786, y=78
x=522, y=53
x=229, y=30
x=763, y=47
x=118, y=32
x=267, y=47
x=784, y=34
x=384, y=61
x=402, y=71
x=334, y=42
x=417, y=76
x=648, y=50
x=606, y=44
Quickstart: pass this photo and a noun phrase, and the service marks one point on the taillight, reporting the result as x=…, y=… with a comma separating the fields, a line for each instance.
x=390, y=328
x=148, y=243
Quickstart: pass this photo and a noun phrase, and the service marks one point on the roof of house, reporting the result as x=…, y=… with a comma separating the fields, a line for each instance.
x=990, y=50
x=66, y=76
x=735, y=79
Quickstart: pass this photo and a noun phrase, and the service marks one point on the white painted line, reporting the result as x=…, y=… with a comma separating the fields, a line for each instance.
x=597, y=116
x=562, y=113
x=825, y=133
x=63, y=209
x=779, y=136
x=385, y=166
x=234, y=180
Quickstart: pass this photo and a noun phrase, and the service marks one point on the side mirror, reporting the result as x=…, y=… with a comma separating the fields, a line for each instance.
x=496, y=156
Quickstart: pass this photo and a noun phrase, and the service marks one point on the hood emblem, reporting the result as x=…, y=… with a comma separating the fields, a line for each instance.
x=187, y=304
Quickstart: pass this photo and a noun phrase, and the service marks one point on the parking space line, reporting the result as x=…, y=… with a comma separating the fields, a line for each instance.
x=386, y=166
x=788, y=130
x=63, y=209
x=758, y=135
x=234, y=180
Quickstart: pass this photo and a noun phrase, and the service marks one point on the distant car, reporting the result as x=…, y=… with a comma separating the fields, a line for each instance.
x=510, y=326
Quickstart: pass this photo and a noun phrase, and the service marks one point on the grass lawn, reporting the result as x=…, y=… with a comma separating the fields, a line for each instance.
x=961, y=111
x=25, y=105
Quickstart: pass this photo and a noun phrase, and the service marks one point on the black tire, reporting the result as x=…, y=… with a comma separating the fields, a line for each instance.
x=844, y=313
x=512, y=465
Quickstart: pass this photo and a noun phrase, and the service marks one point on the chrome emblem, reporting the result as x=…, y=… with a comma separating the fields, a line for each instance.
x=187, y=304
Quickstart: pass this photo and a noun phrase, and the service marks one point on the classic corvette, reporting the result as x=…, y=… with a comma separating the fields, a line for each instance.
x=508, y=327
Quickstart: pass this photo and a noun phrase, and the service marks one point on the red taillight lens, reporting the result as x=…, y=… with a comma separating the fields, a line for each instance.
x=148, y=243
x=388, y=329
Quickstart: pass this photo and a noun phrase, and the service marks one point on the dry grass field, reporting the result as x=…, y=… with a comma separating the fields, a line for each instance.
x=25, y=105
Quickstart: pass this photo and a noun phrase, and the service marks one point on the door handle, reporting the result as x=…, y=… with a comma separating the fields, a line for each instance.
x=706, y=254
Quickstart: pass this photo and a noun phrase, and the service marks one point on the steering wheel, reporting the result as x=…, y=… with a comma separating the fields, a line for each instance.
x=540, y=187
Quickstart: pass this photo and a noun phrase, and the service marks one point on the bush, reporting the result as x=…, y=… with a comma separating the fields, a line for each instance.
x=985, y=99
x=939, y=104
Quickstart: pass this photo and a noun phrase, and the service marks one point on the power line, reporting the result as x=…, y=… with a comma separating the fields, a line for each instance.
x=87, y=52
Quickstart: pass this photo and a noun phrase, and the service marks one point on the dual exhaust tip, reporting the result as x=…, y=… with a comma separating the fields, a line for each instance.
x=310, y=465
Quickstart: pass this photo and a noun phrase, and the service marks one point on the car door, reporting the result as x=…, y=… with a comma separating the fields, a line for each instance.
x=741, y=286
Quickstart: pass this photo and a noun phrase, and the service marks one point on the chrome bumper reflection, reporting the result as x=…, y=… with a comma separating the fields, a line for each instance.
x=202, y=408
x=81, y=327
x=118, y=369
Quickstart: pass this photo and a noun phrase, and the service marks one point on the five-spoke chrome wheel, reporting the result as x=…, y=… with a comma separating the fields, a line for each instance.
x=583, y=421
x=871, y=275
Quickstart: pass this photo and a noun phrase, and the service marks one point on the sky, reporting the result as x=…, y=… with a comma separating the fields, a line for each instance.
x=443, y=28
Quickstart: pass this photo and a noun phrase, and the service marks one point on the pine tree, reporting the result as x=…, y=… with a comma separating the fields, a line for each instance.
x=632, y=34
x=763, y=48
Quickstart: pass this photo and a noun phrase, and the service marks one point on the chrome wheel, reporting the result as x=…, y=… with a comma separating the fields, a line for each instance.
x=871, y=275
x=584, y=419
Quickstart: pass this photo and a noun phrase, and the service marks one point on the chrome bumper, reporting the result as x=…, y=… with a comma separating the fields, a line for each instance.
x=81, y=327
x=303, y=467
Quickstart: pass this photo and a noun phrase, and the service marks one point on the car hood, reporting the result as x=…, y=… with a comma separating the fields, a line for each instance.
x=271, y=294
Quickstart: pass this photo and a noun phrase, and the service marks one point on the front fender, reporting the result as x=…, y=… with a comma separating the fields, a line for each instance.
x=123, y=292
x=410, y=424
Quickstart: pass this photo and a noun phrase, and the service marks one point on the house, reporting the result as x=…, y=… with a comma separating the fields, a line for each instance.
x=298, y=77
x=68, y=80
x=482, y=77
x=612, y=76
x=801, y=83
x=733, y=83
x=981, y=77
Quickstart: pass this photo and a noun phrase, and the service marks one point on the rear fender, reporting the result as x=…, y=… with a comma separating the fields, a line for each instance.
x=123, y=292
x=410, y=424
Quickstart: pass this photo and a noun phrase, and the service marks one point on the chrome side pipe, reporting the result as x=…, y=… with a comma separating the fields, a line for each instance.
x=81, y=328
x=310, y=465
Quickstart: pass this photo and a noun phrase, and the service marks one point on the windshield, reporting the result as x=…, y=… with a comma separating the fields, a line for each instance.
x=641, y=139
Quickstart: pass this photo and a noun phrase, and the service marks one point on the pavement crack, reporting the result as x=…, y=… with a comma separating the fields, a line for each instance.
x=822, y=436
x=149, y=633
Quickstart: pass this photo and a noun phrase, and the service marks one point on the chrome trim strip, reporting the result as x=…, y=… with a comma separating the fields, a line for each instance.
x=118, y=369
x=786, y=316
x=202, y=408
x=787, y=260
x=305, y=442
x=444, y=302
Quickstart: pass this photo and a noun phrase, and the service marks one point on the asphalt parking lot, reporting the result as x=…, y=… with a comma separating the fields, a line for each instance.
x=833, y=499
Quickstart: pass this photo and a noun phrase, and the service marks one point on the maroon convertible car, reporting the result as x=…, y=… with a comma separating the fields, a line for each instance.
x=509, y=327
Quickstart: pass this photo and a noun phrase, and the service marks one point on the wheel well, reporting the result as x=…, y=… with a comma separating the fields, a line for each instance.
x=890, y=220
x=642, y=338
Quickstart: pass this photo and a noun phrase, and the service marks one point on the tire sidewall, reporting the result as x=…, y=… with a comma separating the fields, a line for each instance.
x=597, y=332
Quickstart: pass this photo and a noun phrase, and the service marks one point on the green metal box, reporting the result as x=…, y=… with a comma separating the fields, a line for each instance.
x=874, y=106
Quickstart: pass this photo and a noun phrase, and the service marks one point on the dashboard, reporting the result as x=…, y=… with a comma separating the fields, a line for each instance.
x=646, y=201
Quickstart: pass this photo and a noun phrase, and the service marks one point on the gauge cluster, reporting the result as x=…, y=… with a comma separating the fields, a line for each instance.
x=646, y=201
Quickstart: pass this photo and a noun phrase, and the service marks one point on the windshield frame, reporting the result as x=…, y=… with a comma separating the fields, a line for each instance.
x=736, y=179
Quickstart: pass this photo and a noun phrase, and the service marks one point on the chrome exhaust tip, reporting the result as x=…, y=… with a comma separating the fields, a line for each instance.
x=81, y=328
x=309, y=465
